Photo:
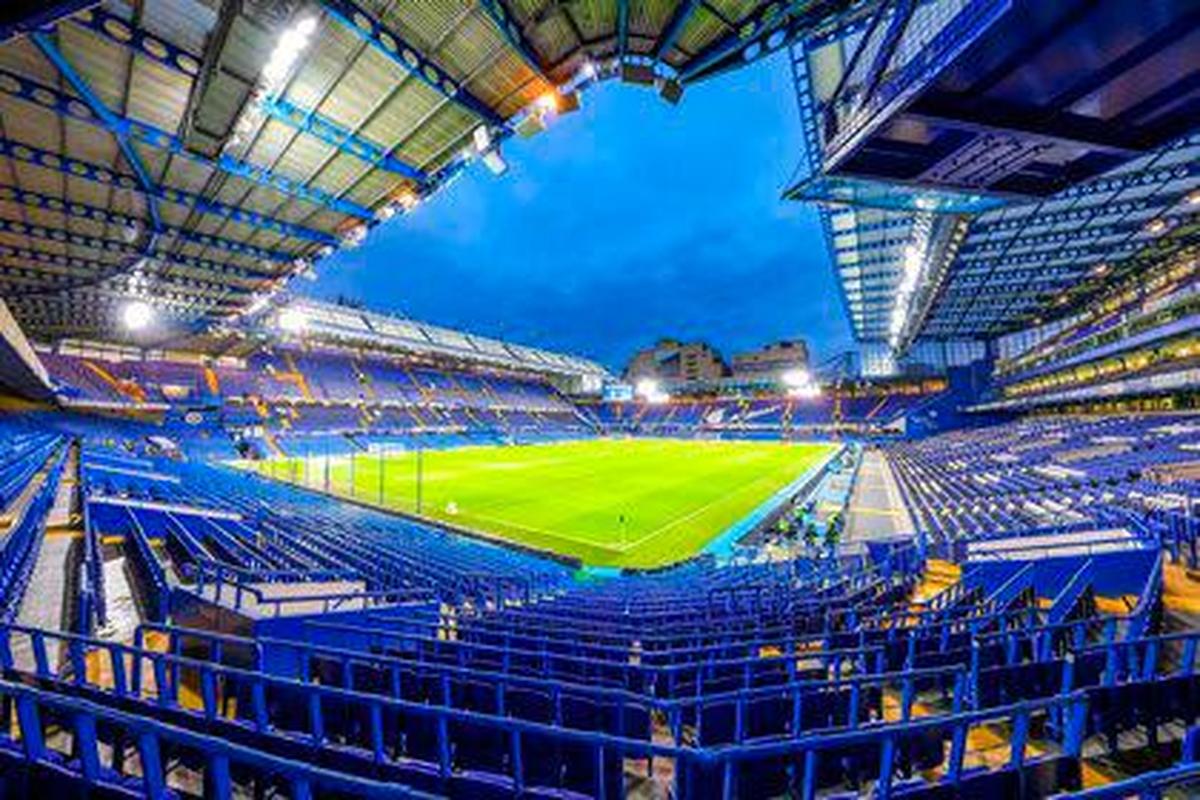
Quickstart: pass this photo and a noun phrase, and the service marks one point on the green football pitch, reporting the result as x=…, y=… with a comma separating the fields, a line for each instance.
x=608, y=502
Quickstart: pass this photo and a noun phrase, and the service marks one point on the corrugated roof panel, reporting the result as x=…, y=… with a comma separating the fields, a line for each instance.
x=412, y=103
x=91, y=144
x=184, y=23
x=157, y=95
x=102, y=63
x=430, y=142
x=340, y=173
x=703, y=27
x=372, y=188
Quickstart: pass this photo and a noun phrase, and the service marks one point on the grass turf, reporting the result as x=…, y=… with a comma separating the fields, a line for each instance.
x=622, y=503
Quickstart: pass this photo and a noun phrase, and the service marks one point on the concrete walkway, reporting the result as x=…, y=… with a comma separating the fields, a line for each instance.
x=877, y=508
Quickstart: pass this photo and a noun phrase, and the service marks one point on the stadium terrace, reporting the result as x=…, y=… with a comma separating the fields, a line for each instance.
x=253, y=544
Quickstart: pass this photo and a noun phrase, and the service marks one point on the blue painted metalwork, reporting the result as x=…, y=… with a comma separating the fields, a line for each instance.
x=178, y=60
x=67, y=237
x=622, y=29
x=85, y=211
x=49, y=97
x=103, y=175
x=408, y=58
x=889, y=196
x=769, y=28
x=510, y=27
x=344, y=139
x=125, y=33
x=871, y=110
x=679, y=18
x=901, y=14
x=47, y=16
x=109, y=120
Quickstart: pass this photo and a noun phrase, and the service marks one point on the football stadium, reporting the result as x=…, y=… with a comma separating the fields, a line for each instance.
x=257, y=542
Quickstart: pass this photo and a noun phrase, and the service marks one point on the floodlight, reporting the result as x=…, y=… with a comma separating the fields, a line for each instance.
x=291, y=43
x=292, y=320
x=912, y=259
x=807, y=391
x=796, y=377
x=136, y=315
x=646, y=387
x=547, y=102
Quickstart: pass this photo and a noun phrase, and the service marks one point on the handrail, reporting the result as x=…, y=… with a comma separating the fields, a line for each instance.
x=221, y=754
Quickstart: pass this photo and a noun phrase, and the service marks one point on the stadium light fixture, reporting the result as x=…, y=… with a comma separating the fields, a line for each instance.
x=799, y=383
x=650, y=391
x=796, y=377
x=547, y=102
x=1193, y=198
x=292, y=320
x=292, y=42
x=1156, y=226
x=137, y=315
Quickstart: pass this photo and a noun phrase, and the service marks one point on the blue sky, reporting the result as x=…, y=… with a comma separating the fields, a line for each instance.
x=627, y=221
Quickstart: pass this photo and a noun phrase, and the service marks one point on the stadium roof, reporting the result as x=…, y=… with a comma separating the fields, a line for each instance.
x=353, y=326
x=201, y=153
x=984, y=164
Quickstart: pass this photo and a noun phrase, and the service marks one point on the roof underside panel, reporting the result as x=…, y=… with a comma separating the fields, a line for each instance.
x=149, y=148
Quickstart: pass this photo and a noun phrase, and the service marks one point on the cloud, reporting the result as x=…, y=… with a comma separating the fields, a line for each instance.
x=628, y=221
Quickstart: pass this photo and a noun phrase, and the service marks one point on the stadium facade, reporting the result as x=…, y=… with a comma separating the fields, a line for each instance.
x=255, y=544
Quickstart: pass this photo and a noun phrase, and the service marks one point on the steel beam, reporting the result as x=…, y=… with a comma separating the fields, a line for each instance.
x=49, y=15
x=110, y=245
x=100, y=174
x=107, y=118
x=409, y=58
x=345, y=140
x=86, y=211
x=510, y=27
x=675, y=25
x=145, y=133
x=622, y=29
x=308, y=121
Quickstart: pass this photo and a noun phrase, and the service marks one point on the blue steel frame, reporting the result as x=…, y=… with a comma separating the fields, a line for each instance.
x=178, y=60
x=45, y=17
x=408, y=58
x=125, y=129
x=510, y=27
x=103, y=175
x=887, y=96
x=85, y=211
x=66, y=236
x=107, y=118
x=310, y=122
x=679, y=18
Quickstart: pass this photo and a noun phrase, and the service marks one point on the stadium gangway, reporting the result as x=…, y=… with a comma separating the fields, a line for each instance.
x=20, y=547
x=155, y=583
x=91, y=606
